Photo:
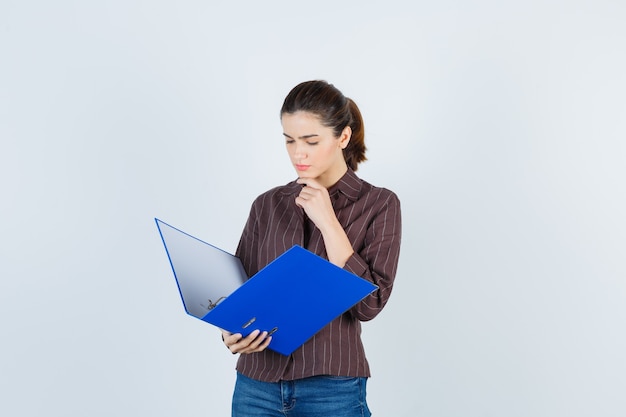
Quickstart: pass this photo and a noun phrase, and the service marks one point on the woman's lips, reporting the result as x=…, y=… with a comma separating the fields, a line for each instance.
x=302, y=167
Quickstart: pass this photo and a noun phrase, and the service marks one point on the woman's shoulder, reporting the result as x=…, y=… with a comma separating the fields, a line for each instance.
x=381, y=193
x=290, y=188
x=378, y=189
x=278, y=193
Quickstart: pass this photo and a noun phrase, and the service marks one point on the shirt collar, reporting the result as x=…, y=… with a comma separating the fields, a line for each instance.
x=348, y=185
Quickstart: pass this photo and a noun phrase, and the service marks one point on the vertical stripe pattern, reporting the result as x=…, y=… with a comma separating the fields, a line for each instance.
x=371, y=218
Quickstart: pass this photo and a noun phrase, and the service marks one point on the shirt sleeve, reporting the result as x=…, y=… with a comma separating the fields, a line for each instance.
x=249, y=238
x=377, y=260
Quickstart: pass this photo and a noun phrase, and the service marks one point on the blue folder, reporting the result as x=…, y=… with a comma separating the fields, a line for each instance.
x=292, y=298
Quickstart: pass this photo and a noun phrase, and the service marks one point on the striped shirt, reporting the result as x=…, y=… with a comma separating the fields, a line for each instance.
x=370, y=217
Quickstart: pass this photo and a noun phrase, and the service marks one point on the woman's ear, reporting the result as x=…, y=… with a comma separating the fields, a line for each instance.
x=345, y=136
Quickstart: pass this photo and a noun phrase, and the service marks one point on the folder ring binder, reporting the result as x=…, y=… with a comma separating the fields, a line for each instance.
x=249, y=322
x=212, y=305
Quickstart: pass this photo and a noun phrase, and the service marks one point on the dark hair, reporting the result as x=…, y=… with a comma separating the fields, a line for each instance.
x=334, y=110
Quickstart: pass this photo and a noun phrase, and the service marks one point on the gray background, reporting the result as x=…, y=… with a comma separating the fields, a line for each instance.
x=500, y=125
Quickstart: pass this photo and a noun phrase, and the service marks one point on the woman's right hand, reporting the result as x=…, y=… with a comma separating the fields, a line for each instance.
x=256, y=341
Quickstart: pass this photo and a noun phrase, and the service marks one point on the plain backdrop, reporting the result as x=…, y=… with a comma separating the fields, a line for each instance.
x=501, y=125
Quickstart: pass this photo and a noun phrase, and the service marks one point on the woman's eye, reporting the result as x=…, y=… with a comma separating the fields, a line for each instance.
x=290, y=141
x=312, y=143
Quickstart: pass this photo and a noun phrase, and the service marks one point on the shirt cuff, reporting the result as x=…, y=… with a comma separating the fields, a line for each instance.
x=356, y=265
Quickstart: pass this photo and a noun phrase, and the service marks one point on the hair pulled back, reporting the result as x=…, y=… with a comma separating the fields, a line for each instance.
x=334, y=110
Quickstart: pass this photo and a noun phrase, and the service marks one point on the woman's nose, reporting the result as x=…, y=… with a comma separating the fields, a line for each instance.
x=300, y=151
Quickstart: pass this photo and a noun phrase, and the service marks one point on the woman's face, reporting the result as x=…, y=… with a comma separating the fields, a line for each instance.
x=314, y=150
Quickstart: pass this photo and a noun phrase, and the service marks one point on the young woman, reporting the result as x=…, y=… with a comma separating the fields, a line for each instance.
x=333, y=213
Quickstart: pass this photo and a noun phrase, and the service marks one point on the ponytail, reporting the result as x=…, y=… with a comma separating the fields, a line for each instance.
x=354, y=153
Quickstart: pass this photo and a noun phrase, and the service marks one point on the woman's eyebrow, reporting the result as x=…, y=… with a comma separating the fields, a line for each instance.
x=302, y=137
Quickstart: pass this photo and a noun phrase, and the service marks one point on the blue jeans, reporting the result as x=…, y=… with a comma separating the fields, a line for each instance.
x=318, y=396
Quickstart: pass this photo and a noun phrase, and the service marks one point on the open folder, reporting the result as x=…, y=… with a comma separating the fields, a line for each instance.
x=292, y=298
